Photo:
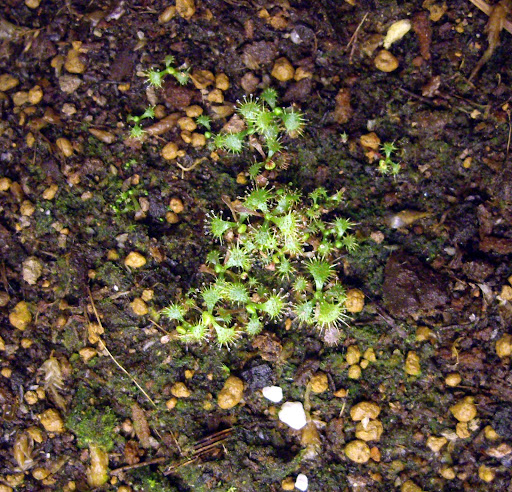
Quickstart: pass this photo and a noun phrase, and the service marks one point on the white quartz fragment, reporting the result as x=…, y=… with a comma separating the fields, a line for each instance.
x=292, y=413
x=273, y=393
x=301, y=482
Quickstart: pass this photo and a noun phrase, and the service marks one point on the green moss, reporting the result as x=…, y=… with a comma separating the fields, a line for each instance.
x=91, y=424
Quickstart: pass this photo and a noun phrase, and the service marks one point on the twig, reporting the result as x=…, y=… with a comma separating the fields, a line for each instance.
x=201, y=447
x=138, y=465
x=486, y=8
x=110, y=354
x=354, y=37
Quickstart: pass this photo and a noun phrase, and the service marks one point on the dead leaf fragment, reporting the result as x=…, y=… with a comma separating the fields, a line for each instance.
x=141, y=426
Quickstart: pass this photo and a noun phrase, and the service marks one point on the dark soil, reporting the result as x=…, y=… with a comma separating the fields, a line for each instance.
x=435, y=247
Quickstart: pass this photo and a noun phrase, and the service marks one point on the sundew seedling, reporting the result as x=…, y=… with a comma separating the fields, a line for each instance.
x=265, y=121
x=276, y=257
x=386, y=165
x=155, y=78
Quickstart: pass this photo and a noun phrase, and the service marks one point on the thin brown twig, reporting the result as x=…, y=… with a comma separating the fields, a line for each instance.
x=155, y=461
x=110, y=353
x=201, y=447
x=354, y=37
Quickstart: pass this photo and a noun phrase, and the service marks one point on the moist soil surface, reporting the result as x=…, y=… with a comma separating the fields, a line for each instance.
x=99, y=231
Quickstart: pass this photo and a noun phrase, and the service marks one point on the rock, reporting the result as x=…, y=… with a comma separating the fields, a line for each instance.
x=288, y=484
x=273, y=393
x=369, y=355
x=52, y=421
x=301, y=482
x=319, y=382
x=257, y=54
x=504, y=346
x=410, y=287
x=258, y=377
x=170, y=151
x=97, y=473
x=87, y=353
x=283, y=70
x=139, y=307
x=447, y=472
x=134, y=260
x=222, y=82
x=436, y=443
x=486, y=474
x=185, y=8
x=5, y=184
x=231, y=394
x=369, y=431
x=412, y=364
x=354, y=372
x=464, y=410
x=176, y=205
x=179, y=390
x=353, y=355
x=40, y=473
x=69, y=83
x=292, y=413
x=364, y=409
x=357, y=451
x=35, y=95
x=65, y=146
x=491, y=434
x=354, y=302
x=31, y=270
x=20, y=316
x=74, y=63
x=50, y=192
x=424, y=334
x=453, y=379
x=385, y=61
x=499, y=451
x=7, y=82
x=370, y=141
x=410, y=486
x=506, y=293
x=462, y=430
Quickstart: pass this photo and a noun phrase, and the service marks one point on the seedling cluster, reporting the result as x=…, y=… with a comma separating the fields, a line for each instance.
x=278, y=260
x=265, y=121
x=386, y=164
x=263, y=125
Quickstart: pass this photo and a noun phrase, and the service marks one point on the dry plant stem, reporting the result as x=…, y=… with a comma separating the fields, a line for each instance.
x=354, y=38
x=155, y=461
x=486, y=8
x=104, y=347
x=201, y=447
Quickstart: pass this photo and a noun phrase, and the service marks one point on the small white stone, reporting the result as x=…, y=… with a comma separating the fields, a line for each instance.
x=292, y=413
x=273, y=393
x=301, y=482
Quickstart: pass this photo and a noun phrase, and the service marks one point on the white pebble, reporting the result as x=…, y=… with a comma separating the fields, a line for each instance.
x=292, y=413
x=273, y=393
x=301, y=482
